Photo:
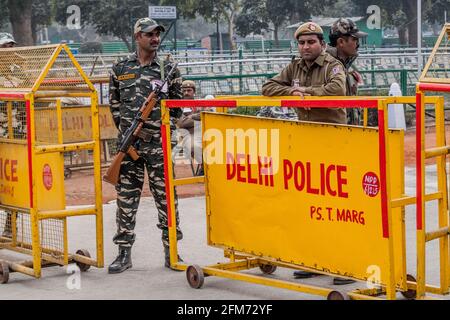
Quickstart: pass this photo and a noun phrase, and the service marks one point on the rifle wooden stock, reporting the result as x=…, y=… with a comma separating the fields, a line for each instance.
x=113, y=173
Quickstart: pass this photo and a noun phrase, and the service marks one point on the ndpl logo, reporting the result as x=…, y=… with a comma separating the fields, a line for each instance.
x=47, y=177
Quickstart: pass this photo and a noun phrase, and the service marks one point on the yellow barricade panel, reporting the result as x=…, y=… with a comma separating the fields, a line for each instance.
x=76, y=124
x=14, y=178
x=302, y=193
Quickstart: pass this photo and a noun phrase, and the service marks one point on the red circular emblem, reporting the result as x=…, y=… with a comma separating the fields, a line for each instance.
x=47, y=177
x=371, y=184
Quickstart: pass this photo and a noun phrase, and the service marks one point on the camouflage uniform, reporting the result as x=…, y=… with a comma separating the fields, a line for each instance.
x=345, y=27
x=130, y=85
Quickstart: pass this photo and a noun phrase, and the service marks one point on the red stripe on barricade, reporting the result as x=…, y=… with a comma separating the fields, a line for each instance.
x=419, y=182
x=201, y=103
x=383, y=174
x=166, y=175
x=329, y=103
x=12, y=95
x=30, y=155
x=434, y=87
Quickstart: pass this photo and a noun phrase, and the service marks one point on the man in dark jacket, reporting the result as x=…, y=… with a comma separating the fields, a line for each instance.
x=344, y=45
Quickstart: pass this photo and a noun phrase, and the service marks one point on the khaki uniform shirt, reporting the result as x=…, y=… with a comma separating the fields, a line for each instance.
x=325, y=77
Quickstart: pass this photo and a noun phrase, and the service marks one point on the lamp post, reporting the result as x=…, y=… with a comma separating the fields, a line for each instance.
x=419, y=38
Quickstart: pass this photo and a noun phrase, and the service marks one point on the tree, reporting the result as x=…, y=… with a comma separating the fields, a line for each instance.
x=256, y=15
x=402, y=14
x=435, y=10
x=109, y=17
x=5, y=14
x=211, y=10
x=25, y=17
x=41, y=16
x=20, y=18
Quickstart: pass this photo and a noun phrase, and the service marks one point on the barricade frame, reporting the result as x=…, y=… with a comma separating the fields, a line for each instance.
x=229, y=270
x=440, y=152
x=30, y=96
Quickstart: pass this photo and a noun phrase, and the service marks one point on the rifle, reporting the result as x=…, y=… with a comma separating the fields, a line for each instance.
x=131, y=136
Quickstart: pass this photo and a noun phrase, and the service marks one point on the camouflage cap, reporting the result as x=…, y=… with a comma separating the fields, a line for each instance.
x=346, y=27
x=308, y=28
x=188, y=84
x=147, y=25
x=6, y=38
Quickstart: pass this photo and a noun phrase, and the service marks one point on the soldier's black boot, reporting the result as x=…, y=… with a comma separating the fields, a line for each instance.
x=122, y=262
x=167, y=259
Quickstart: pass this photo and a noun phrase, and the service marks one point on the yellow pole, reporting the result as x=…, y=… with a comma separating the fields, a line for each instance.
x=443, y=204
x=59, y=120
x=97, y=178
x=420, y=126
x=34, y=219
x=366, y=117
x=66, y=243
x=391, y=285
x=169, y=181
x=10, y=120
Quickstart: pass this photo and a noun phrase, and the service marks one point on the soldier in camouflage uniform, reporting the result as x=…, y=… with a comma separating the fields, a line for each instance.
x=7, y=41
x=344, y=44
x=132, y=80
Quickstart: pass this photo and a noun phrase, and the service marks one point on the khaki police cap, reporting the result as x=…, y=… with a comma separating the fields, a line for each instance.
x=308, y=28
x=188, y=84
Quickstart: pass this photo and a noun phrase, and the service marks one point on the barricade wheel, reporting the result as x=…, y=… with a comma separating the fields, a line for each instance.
x=267, y=268
x=4, y=272
x=337, y=295
x=83, y=267
x=411, y=293
x=195, y=276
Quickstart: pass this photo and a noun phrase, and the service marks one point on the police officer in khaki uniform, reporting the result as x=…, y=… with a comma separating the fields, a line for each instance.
x=316, y=73
x=344, y=45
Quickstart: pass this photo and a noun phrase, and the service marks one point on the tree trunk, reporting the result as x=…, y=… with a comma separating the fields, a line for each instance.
x=231, y=31
x=402, y=35
x=34, y=32
x=275, y=35
x=123, y=37
x=20, y=17
x=411, y=14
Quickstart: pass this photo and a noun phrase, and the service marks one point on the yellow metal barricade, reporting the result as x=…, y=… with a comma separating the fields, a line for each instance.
x=434, y=78
x=34, y=81
x=331, y=200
